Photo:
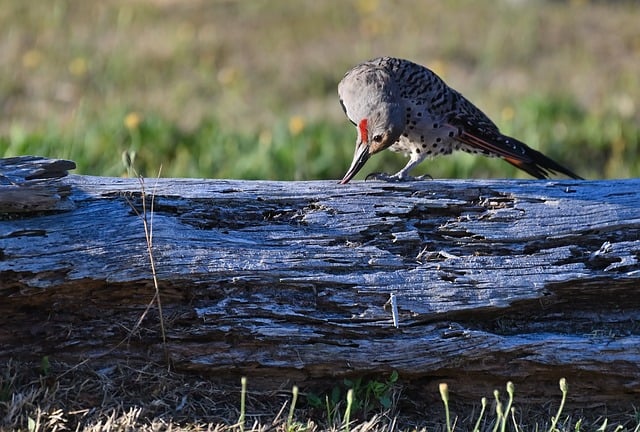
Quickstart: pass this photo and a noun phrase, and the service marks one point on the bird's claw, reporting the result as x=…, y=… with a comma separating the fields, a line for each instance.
x=396, y=178
x=423, y=177
x=383, y=177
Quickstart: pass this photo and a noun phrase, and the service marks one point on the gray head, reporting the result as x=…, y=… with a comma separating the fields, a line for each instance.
x=370, y=98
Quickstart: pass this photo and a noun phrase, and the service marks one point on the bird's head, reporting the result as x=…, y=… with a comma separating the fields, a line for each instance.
x=371, y=102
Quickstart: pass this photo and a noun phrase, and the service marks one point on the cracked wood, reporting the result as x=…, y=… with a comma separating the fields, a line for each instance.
x=495, y=280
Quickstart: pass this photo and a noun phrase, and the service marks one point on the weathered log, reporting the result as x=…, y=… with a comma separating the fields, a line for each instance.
x=494, y=280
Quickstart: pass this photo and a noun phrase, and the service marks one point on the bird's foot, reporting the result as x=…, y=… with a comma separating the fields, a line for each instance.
x=383, y=177
x=396, y=177
x=422, y=177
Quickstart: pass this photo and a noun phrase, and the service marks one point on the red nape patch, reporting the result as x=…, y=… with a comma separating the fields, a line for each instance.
x=363, y=130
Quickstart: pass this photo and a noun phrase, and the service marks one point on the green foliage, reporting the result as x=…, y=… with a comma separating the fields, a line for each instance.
x=599, y=143
x=367, y=395
x=45, y=366
x=595, y=145
x=248, y=89
x=372, y=394
x=210, y=150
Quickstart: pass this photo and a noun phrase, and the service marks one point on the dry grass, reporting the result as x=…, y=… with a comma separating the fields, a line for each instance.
x=116, y=397
x=126, y=397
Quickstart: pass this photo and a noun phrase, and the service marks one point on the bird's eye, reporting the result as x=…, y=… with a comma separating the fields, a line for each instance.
x=377, y=138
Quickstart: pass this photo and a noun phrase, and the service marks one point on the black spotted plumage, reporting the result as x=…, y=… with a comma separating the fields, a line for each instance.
x=416, y=109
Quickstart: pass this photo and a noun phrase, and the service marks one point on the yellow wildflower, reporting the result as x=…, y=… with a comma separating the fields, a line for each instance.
x=132, y=120
x=296, y=125
x=78, y=66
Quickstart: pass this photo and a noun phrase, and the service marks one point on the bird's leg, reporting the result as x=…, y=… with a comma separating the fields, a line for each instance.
x=403, y=174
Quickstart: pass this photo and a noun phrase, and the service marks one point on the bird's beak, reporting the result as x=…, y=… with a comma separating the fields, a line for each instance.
x=360, y=157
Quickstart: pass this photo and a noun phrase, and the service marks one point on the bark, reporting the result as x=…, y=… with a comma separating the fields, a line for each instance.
x=290, y=282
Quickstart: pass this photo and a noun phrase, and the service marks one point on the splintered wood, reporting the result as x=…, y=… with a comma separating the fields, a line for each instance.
x=294, y=282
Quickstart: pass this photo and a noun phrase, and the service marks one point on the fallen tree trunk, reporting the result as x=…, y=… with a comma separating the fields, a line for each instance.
x=493, y=280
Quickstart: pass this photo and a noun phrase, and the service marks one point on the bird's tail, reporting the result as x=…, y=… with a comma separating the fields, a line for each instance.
x=516, y=153
x=534, y=162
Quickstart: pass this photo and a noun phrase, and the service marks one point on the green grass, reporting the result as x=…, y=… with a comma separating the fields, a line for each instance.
x=597, y=147
x=218, y=84
x=247, y=89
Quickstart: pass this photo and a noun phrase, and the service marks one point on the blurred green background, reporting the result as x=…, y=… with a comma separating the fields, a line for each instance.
x=247, y=89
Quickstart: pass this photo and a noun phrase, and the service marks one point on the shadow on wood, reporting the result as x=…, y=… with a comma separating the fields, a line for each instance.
x=289, y=282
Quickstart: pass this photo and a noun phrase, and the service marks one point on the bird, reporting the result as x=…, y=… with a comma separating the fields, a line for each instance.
x=402, y=106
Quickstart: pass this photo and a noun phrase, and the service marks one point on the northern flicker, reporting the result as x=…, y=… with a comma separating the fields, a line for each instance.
x=405, y=107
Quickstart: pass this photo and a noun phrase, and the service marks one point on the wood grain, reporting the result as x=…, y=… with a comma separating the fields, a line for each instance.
x=495, y=280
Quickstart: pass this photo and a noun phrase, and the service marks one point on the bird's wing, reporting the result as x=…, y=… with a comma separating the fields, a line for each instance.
x=482, y=135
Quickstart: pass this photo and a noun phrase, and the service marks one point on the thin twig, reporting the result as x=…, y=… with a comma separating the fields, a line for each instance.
x=148, y=233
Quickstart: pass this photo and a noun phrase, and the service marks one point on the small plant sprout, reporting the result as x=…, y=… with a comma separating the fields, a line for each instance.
x=444, y=394
x=564, y=388
x=483, y=403
x=243, y=400
x=329, y=411
x=292, y=408
x=503, y=420
x=513, y=419
x=347, y=411
x=499, y=410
